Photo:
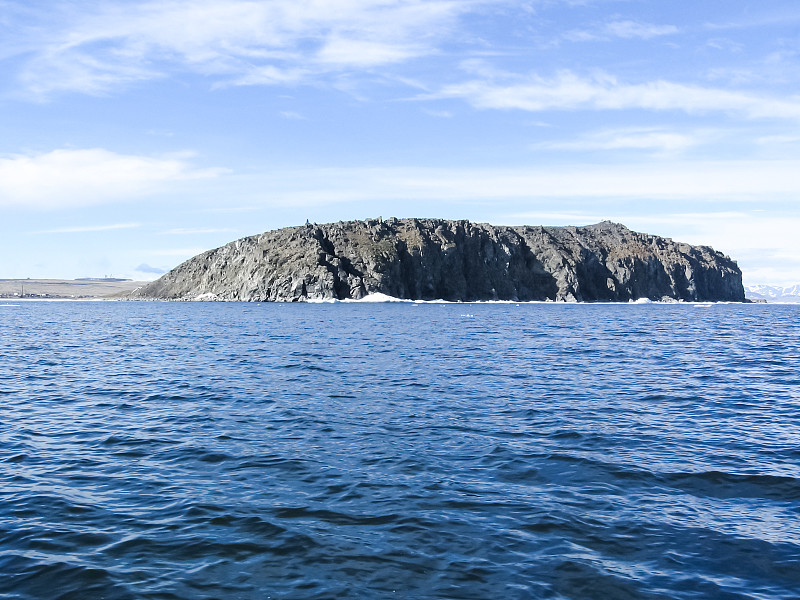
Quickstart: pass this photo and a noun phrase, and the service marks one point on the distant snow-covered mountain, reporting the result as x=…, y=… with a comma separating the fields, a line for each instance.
x=773, y=293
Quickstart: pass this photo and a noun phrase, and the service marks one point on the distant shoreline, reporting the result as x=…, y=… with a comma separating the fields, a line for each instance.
x=43, y=289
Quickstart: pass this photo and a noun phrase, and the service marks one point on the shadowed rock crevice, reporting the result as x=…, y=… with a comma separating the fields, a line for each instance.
x=427, y=259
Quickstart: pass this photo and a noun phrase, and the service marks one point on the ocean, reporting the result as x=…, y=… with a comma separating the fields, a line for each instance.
x=453, y=451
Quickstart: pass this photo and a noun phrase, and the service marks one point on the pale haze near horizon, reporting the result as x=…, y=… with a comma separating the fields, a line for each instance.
x=138, y=134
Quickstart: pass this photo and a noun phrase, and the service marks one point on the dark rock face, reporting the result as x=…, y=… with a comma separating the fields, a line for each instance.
x=426, y=259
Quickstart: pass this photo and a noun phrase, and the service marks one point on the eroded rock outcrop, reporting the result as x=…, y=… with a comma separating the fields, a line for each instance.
x=427, y=259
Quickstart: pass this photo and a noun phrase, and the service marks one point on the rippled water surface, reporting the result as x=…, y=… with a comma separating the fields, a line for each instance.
x=247, y=451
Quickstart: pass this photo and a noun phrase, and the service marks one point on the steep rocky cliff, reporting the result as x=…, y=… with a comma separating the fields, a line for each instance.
x=428, y=259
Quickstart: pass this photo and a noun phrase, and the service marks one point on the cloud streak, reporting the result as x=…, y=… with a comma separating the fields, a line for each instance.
x=243, y=42
x=92, y=228
x=660, y=141
x=568, y=91
x=732, y=181
x=67, y=178
x=185, y=231
x=625, y=29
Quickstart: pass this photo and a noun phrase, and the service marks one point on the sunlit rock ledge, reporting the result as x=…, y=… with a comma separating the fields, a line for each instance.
x=430, y=259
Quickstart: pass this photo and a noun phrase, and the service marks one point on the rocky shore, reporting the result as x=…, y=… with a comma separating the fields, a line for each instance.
x=426, y=259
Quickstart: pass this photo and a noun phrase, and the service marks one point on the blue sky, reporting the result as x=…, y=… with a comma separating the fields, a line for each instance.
x=137, y=134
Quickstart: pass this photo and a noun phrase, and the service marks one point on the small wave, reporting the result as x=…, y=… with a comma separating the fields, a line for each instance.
x=190, y=548
x=718, y=484
x=26, y=577
x=334, y=517
x=214, y=457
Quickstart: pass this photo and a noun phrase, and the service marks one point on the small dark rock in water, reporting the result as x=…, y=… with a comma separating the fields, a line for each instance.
x=426, y=259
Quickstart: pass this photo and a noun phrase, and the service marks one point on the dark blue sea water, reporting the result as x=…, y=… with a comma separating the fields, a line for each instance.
x=475, y=451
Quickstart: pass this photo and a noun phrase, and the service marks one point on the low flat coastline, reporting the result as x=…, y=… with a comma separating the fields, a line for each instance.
x=66, y=288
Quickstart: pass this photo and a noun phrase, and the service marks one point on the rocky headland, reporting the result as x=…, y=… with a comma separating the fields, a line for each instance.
x=427, y=259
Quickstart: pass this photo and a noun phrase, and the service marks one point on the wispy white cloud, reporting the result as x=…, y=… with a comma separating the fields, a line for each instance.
x=71, y=70
x=183, y=253
x=654, y=139
x=770, y=140
x=184, y=231
x=697, y=180
x=775, y=69
x=770, y=16
x=91, y=228
x=738, y=75
x=366, y=53
x=161, y=133
x=568, y=91
x=725, y=44
x=292, y=115
x=66, y=177
x=442, y=114
x=265, y=75
x=102, y=46
x=634, y=29
x=625, y=29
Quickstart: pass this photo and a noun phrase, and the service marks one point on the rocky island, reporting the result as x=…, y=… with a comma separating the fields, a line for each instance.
x=427, y=259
